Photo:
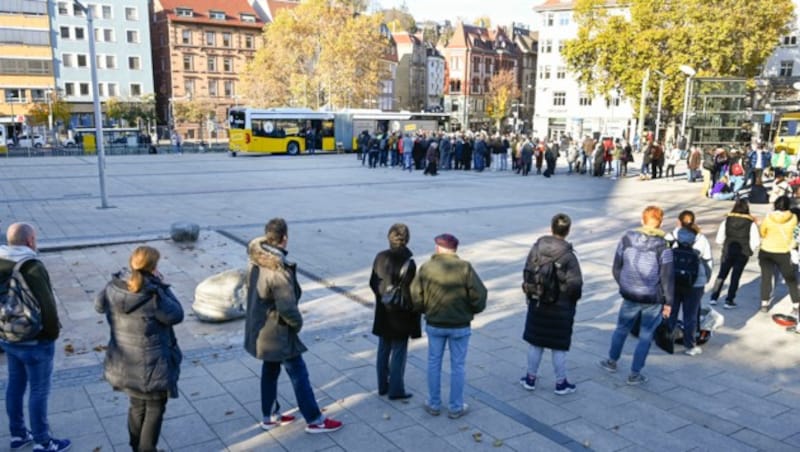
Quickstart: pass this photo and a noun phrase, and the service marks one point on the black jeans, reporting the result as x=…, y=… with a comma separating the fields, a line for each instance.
x=144, y=423
x=391, y=366
x=735, y=262
x=768, y=261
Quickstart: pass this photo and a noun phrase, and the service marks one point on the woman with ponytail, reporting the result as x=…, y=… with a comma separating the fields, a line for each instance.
x=143, y=358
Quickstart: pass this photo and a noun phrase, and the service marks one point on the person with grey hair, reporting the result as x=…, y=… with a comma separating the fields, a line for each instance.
x=30, y=363
x=394, y=325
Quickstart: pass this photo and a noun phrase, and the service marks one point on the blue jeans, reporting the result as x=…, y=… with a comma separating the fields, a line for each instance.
x=408, y=162
x=689, y=302
x=651, y=318
x=458, y=339
x=298, y=374
x=391, y=366
x=29, y=364
x=559, y=362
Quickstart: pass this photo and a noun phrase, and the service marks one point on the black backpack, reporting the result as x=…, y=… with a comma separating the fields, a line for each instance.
x=541, y=281
x=393, y=297
x=20, y=314
x=686, y=265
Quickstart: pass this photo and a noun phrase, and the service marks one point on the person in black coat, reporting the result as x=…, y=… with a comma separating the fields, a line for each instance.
x=550, y=325
x=143, y=358
x=393, y=327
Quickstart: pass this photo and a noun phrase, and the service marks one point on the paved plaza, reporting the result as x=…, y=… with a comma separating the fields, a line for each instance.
x=742, y=393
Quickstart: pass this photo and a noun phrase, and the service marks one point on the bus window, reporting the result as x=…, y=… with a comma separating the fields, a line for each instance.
x=327, y=128
x=237, y=120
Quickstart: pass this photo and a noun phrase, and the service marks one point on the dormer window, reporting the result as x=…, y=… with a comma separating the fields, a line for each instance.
x=216, y=15
x=184, y=12
x=248, y=18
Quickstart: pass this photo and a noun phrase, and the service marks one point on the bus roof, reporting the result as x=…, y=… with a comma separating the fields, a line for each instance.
x=285, y=113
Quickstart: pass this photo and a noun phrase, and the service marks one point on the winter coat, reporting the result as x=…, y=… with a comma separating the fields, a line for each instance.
x=738, y=234
x=694, y=159
x=550, y=325
x=643, y=267
x=393, y=324
x=38, y=280
x=448, y=291
x=273, y=318
x=776, y=231
x=143, y=357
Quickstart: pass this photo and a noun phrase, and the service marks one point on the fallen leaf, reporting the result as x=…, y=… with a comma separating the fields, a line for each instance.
x=498, y=443
x=215, y=355
x=615, y=428
x=386, y=416
x=69, y=349
x=463, y=428
x=587, y=444
x=97, y=449
x=317, y=338
x=100, y=348
x=99, y=322
x=477, y=436
x=229, y=412
x=196, y=362
x=195, y=394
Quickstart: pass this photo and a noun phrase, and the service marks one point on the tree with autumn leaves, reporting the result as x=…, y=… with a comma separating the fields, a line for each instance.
x=718, y=38
x=321, y=53
x=503, y=90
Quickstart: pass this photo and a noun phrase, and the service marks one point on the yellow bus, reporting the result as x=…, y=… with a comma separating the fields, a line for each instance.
x=280, y=131
x=787, y=135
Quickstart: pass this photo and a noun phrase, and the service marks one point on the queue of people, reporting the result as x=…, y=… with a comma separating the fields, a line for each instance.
x=661, y=277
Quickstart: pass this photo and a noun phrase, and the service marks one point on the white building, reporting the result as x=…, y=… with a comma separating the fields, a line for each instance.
x=434, y=78
x=782, y=70
x=562, y=106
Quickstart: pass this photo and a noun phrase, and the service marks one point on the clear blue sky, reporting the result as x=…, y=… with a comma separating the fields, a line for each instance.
x=500, y=11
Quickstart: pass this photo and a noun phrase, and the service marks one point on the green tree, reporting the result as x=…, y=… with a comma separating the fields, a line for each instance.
x=483, y=21
x=503, y=90
x=192, y=111
x=317, y=54
x=718, y=38
x=116, y=109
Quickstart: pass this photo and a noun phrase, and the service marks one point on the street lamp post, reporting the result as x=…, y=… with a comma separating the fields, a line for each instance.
x=660, y=101
x=640, y=129
x=690, y=72
x=98, y=119
x=48, y=93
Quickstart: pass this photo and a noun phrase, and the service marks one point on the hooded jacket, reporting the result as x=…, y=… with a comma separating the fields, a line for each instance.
x=273, y=318
x=776, y=231
x=550, y=325
x=38, y=281
x=143, y=357
x=448, y=291
x=643, y=267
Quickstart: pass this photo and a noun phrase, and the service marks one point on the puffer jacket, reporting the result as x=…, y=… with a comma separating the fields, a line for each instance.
x=776, y=232
x=143, y=357
x=550, y=325
x=448, y=291
x=643, y=267
x=273, y=318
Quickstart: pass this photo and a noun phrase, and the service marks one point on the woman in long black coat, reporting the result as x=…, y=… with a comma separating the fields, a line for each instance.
x=393, y=327
x=550, y=325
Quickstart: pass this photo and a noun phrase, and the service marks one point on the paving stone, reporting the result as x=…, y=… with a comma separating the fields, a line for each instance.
x=592, y=436
x=757, y=405
x=466, y=440
x=210, y=446
x=219, y=409
x=186, y=431
x=647, y=436
x=67, y=400
x=116, y=429
x=762, y=442
x=64, y=424
x=362, y=437
x=543, y=411
x=530, y=442
x=90, y=442
x=245, y=434
x=707, y=439
x=199, y=388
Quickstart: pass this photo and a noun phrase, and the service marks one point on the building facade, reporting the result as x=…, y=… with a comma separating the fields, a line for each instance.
x=473, y=56
x=122, y=45
x=561, y=104
x=411, y=67
x=387, y=95
x=199, y=50
x=527, y=43
x=26, y=62
x=434, y=79
x=776, y=91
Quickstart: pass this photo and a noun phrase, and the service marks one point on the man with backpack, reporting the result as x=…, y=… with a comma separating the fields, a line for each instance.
x=553, y=284
x=692, y=264
x=30, y=353
x=643, y=269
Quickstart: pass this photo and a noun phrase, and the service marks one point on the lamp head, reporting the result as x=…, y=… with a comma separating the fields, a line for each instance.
x=688, y=70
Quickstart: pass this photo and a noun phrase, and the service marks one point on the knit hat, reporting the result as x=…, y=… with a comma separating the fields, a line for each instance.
x=448, y=241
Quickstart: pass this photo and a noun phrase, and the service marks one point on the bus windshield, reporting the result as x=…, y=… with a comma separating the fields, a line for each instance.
x=237, y=119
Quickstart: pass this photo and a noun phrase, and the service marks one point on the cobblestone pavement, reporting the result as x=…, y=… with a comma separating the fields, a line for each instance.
x=742, y=393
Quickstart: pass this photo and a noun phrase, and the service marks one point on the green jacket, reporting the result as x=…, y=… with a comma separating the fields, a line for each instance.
x=448, y=291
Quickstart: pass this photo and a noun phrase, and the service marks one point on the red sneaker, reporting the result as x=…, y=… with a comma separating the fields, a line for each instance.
x=327, y=426
x=277, y=421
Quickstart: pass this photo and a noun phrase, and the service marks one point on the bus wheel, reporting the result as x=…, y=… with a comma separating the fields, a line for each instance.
x=233, y=153
x=292, y=148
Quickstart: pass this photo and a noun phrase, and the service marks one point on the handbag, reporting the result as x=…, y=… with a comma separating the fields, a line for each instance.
x=393, y=297
x=663, y=335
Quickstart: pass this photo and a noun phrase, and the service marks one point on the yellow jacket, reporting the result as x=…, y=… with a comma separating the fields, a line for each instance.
x=776, y=231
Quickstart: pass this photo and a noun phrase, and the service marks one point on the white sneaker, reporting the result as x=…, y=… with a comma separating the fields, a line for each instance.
x=712, y=302
x=765, y=306
x=694, y=351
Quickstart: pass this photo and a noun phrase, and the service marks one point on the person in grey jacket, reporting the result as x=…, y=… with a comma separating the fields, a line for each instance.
x=643, y=270
x=271, y=330
x=143, y=358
